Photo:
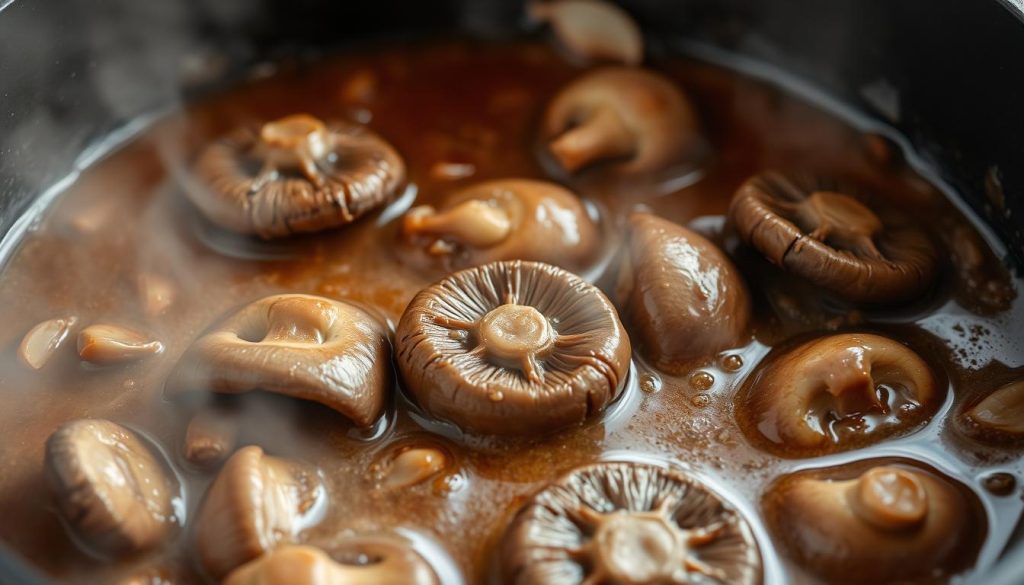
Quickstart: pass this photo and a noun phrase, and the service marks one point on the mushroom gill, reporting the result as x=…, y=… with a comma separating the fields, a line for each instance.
x=632, y=523
x=304, y=346
x=512, y=348
x=592, y=29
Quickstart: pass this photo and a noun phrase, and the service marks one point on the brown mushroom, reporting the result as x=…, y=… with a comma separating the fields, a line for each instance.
x=628, y=523
x=835, y=393
x=512, y=348
x=256, y=504
x=873, y=523
x=112, y=490
x=592, y=29
x=414, y=462
x=42, y=341
x=296, y=174
x=682, y=296
x=508, y=219
x=209, y=438
x=634, y=120
x=302, y=346
x=999, y=416
x=103, y=344
x=840, y=242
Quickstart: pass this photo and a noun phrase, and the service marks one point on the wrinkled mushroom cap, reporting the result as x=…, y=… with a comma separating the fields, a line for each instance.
x=255, y=504
x=296, y=174
x=304, y=346
x=682, y=296
x=833, y=239
x=836, y=393
x=505, y=219
x=512, y=348
x=628, y=523
x=999, y=417
x=110, y=488
x=634, y=120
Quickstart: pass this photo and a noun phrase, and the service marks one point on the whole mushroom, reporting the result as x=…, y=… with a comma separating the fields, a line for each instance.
x=592, y=29
x=633, y=120
x=512, y=348
x=304, y=346
x=632, y=523
x=296, y=174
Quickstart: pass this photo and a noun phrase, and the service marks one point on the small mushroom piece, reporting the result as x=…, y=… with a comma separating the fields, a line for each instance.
x=999, y=417
x=682, y=296
x=415, y=462
x=630, y=523
x=104, y=344
x=833, y=239
x=836, y=393
x=112, y=491
x=256, y=504
x=507, y=219
x=593, y=29
x=209, y=439
x=42, y=341
x=296, y=174
x=304, y=346
x=512, y=348
x=888, y=523
x=634, y=120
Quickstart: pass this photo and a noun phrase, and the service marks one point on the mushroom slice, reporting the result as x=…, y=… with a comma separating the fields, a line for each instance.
x=104, y=344
x=507, y=219
x=209, y=439
x=256, y=504
x=999, y=417
x=42, y=341
x=836, y=393
x=875, y=521
x=834, y=239
x=113, y=492
x=512, y=348
x=682, y=295
x=303, y=346
x=635, y=120
x=296, y=174
x=415, y=462
x=593, y=29
x=629, y=523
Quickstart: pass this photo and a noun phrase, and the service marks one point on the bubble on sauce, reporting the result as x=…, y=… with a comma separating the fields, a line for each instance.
x=650, y=383
x=1000, y=483
x=701, y=380
x=700, y=400
x=732, y=362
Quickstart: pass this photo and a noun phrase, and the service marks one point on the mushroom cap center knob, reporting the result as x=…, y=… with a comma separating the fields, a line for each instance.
x=636, y=549
x=890, y=498
x=297, y=133
x=841, y=215
x=513, y=332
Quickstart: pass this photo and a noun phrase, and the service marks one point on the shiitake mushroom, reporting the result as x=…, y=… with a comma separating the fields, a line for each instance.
x=105, y=344
x=627, y=522
x=592, y=29
x=835, y=393
x=999, y=416
x=512, y=348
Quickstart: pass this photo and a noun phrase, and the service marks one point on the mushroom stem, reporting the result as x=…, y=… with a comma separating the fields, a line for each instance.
x=847, y=377
x=297, y=142
x=473, y=223
x=601, y=135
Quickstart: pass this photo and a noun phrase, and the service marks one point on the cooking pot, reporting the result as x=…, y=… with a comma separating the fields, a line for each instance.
x=77, y=78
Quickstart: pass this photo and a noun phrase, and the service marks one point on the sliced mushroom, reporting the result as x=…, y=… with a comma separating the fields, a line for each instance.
x=836, y=393
x=888, y=523
x=414, y=462
x=508, y=219
x=256, y=504
x=999, y=417
x=592, y=29
x=512, y=348
x=682, y=296
x=302, y=346
x=834, y=239
x=42, y=341
x=209, y=439
x=113, y=492
x=297, y=174
x=104, y=344
x=628, y=523
x=634, y=120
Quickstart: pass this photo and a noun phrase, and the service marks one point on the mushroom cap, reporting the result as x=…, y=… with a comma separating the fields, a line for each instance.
x=682, y=296
x=304, y=346
x=110, y=488
x=835, y=240
x=624, y=522
x=255, y=504
x=294, y=175
x=593, y=29
x=512, y=348
x=636, y=120
x=873, y=523
x=835, y=393
x=999, y=416
x=505, y=219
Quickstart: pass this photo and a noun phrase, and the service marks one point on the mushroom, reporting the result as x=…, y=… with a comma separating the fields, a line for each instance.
x=886, y=523
x=999, y=417
x=508, y=219
x=682, y=296
x=209, y=439
x=296, y=174
x=42, y=341
x=624, y=522
x=834, y=239
x=104, y=344
x=414, y=462
x=835, y=393
x=304, y=346
x=592, y=29
x=256, y=504
x=111, y=490
x=512, y=348
x=635, y=120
